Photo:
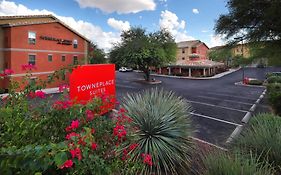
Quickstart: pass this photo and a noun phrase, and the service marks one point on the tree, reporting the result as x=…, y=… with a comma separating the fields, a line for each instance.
x=144, y=50
x=253, y=21
x=96, y=55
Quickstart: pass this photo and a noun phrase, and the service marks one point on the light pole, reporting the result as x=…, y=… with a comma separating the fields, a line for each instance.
x=243, y=72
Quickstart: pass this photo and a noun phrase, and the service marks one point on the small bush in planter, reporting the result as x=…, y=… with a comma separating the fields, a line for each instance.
x=218, y=163
x=262, y=137
x=163, y=129
x=255, y=82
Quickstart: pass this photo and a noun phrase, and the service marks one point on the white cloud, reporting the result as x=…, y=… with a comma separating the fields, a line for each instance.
x=204, y=31
x=90, y=31
x=195, y=11
x=119, y=6
x=171, y=22
x=216, y=40
x=118, y=24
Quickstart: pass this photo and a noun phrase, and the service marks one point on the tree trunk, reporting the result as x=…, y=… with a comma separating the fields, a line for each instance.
x=147, y=74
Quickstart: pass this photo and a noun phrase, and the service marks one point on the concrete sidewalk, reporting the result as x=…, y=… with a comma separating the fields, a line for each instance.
x=200, y=78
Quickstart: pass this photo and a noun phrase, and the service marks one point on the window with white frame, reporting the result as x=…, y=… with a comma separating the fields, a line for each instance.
x=75, y=43
x=31, y=37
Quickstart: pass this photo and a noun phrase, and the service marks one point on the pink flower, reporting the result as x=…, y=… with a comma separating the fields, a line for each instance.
x=76, y=153
x=147, y=159
x=70, y=135
x=40, y=94
x=67, y=164
x=28, y=67
x=8, y=71
x=90, y=115
x=63, y=87
x=119, y=131
x=125, y=154
x=31, y=95
x=94, y=146
x=93, y=130
x=133, y=146
x=74, y=124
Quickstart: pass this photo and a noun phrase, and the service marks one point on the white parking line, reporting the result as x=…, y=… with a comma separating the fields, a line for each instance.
x=244, y=103
x=208, y=143
x=124, y=86
x=216, y=119
x=208, y=104
x=233, y=96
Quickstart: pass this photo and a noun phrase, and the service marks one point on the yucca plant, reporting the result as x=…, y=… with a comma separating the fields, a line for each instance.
x=163, y=127
x=222, y=163
x=263, y=137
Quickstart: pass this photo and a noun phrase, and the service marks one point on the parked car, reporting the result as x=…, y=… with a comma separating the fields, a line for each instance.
x=125, y=69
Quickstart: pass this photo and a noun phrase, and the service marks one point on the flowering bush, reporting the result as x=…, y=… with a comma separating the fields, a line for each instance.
x=58, y=136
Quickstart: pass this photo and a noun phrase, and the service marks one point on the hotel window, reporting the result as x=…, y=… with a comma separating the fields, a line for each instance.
x=31, y=59
x=75, y=43
x=31, y=37
x=75, y=60
x=50, y=58
x=183, y=58
x=182, y=51
x=63, y=58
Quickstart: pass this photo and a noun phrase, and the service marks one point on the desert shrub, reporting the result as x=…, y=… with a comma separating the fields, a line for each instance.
x=255, y=82
x=274, y=96
x=163, y=128
x=263, y=137
x=218, y=163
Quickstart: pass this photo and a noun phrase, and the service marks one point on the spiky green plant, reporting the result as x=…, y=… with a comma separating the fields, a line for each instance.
x=263, y=137
x=164, y=129
x=218, y=163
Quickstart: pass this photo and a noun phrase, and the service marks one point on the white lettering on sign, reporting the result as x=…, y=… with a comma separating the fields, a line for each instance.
x=102, y=84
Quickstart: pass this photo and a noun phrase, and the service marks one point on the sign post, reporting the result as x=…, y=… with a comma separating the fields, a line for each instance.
x=93, y=81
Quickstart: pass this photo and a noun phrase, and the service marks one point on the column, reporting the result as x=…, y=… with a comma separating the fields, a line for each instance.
x=180, y=70
x=189, y=72
x=204, y=72
x=209, y=72
x=160, y=70
x=169, y=69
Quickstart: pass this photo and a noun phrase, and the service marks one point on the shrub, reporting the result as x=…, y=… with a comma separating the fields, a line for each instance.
x=274, y=96
x=218, y=163
x=163, y=128
x=274, y=79
x=263, y=137
x=255, y=82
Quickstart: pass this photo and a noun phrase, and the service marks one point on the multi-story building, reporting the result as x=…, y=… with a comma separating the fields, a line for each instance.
x=192, y=61
x=192, y=50
x=40, y=40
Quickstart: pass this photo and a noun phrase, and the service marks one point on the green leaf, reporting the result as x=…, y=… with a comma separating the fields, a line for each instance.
x=60, y=158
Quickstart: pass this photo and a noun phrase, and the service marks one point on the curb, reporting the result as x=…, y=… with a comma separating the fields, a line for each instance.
x=245, y=119
x=198, y=78
x=47, y=91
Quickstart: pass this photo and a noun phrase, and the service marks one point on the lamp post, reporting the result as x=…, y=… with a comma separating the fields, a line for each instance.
x=243, y=72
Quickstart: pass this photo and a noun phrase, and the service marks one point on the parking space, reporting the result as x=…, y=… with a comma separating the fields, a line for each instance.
x=219, y=106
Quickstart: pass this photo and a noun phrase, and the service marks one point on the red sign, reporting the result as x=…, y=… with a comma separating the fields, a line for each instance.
x=93, y=81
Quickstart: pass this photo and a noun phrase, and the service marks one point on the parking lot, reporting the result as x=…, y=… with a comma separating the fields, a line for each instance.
x=220, y=108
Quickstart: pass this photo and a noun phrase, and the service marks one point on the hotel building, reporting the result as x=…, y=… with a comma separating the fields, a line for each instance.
x=41, y=40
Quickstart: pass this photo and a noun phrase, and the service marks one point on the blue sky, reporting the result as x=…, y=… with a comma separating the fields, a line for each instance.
x=102, y=20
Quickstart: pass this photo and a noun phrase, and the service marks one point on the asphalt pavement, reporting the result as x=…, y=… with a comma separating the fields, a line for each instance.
x=219, y=106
